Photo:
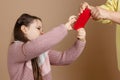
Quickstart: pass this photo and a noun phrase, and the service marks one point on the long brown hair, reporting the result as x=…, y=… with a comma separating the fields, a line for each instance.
x=26, y=19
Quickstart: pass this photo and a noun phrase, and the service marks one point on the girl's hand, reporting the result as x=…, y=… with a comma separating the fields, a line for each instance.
x=71, y=20
x=81, y=34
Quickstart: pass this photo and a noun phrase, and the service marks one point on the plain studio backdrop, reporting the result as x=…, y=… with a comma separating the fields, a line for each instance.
x=98, y=60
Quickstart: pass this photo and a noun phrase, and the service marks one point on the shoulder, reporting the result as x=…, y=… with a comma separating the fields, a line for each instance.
x=15, y=45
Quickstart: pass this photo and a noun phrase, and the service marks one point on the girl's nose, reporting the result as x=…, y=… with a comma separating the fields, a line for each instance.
x=41, y=33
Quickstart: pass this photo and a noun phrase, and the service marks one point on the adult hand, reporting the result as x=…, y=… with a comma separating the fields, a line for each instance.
x=99, y=13
x=84, y=5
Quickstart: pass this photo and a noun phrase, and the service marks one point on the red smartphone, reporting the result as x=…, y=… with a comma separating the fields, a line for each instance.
x=82, y=19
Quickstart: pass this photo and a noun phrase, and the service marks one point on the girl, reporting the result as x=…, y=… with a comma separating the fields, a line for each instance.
x=30, y=55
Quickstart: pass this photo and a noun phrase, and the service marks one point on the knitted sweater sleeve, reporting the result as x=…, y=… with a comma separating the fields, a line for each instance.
x=68, y=56
x=26, y=51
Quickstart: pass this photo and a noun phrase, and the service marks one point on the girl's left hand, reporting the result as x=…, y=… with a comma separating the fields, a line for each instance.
x=71, y=20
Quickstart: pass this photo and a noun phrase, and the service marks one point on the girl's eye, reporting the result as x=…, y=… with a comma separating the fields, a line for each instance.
x=38, y=28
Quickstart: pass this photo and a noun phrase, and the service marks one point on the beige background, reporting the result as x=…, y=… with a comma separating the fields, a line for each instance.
x=97, y=62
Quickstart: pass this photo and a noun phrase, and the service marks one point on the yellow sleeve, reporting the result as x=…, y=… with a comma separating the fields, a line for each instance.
x=111, y=5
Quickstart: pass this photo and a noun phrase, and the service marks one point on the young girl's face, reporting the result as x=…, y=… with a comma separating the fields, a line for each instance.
x=34, y=30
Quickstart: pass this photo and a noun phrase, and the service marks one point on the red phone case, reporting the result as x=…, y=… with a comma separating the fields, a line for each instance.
x=82, y=19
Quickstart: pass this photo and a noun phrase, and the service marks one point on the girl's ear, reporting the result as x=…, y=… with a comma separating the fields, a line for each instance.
x=24, y=29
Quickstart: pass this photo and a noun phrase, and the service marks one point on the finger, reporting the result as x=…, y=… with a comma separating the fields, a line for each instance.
x=82, y=9
x=83, y=5
x=72, y=17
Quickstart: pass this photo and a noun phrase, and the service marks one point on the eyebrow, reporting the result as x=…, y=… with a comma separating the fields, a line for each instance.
x=39, y=26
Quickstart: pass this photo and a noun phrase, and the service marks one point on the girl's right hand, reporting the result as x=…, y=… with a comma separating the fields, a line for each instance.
x=81, y=34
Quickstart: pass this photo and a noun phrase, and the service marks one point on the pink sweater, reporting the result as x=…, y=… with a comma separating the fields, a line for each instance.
x=20, y=54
